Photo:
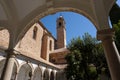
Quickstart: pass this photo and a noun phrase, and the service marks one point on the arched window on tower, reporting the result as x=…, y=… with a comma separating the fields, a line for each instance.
x=50, y=46
x=60, y=23
x=35, y=32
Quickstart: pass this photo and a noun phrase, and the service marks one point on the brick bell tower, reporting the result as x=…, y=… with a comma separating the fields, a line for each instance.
x=61, y=33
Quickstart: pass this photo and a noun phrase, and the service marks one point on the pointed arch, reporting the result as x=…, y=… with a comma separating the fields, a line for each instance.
x=15, y=67
x=52, y=75
x=46, y=74
x=37, y=75
x=25, y=72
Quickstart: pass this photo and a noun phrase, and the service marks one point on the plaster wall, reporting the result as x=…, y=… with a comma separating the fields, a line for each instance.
x=29, y=44
x=4, y=38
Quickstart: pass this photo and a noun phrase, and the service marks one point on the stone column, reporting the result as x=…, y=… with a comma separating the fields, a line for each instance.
x=8, y=67
x=16, y=76
x=42, y=72
x=41, y=77
x=111, y=52
x=54, y=71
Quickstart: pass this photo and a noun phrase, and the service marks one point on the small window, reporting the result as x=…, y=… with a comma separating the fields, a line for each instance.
x=35, y=32
x=60, y=23
x=50, y=45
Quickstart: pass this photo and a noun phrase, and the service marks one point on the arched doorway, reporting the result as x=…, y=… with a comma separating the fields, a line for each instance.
x=37, y=74
x=46, y=75
x=52, y=76
x=25, y=72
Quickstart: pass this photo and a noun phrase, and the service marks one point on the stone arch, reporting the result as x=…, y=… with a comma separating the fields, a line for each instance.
x=4, y=38
x=46, y=74
x=2, y=62
x=37, y=75
x=16, y=63
x=15, y=67
x=45, y=13
x=25, y=72
x=14, y=72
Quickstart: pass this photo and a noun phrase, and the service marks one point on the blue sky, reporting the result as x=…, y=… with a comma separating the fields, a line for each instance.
x=76, y=24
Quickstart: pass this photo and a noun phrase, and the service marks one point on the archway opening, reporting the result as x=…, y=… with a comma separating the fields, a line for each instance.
x=46, y=75
x=37, y=74
x=14, y=72
x=76, y=24
x=52, y=76
x=25, y=72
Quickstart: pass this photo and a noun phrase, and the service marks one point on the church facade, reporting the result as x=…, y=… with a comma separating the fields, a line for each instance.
x=37, y=56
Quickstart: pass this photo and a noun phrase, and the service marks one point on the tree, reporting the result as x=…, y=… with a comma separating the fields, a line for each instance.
x=74, y=70
x=115, y=21
x=79, y=58
x=115, y=14
x=99, y=60
x=117, y=34
x=86, y=59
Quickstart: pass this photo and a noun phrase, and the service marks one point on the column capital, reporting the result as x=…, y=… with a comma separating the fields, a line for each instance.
x=105, y=34
x=10, y=52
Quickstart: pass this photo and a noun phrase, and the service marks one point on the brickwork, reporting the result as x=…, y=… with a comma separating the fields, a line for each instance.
x=4, y=38
x=37, y=43
x=61, y=33
x=58, y=56
x=61, y=37
x=30, y=44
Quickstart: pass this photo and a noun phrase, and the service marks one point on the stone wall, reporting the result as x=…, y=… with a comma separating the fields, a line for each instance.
x=31, y=43
x=4, y=38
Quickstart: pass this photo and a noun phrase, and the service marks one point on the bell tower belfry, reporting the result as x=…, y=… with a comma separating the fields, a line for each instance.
x=61, y=33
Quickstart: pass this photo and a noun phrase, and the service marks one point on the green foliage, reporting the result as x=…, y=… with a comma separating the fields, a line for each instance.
x=115, y=14
x=86, y=59
x=117, y=34
x=115, y=21
x=73, y=59
x=93, y=73
x=88, y=39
